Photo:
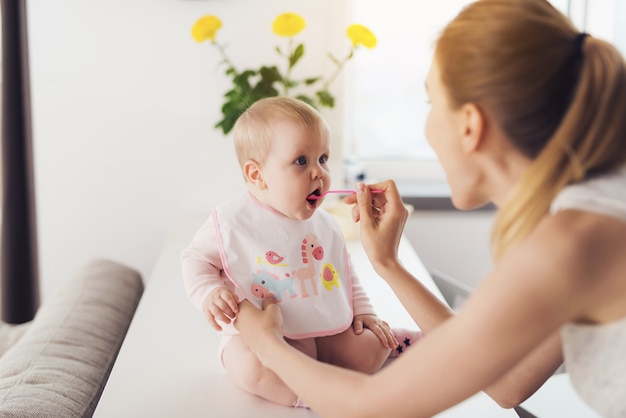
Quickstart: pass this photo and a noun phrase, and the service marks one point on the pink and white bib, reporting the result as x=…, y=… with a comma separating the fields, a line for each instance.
x=304, y=264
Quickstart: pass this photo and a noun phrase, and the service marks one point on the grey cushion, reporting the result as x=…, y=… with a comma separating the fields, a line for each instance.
x=59, y=367
x=10, y=334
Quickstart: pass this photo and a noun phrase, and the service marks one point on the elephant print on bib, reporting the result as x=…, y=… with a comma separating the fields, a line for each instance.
x=265, y=283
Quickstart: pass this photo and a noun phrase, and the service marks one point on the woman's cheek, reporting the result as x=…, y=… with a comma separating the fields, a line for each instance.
x=434, y=132
x=428, y=129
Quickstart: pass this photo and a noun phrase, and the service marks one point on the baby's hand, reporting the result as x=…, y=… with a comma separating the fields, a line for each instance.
x=221, y=304
x=378, y=327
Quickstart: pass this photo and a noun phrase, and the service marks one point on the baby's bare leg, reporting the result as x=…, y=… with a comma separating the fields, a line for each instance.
x=363, y=352
x=248, y=374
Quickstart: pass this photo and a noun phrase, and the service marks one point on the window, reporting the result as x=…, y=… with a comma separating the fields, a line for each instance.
x=386, y=103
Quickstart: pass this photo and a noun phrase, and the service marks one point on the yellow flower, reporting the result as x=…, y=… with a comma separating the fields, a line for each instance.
x=359, y=34
x=205, y=28
x=288, y=24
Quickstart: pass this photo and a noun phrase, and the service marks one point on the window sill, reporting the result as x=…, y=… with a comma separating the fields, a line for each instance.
x=430, y=196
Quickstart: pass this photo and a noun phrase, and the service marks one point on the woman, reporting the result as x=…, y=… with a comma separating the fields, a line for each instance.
x=527, y=113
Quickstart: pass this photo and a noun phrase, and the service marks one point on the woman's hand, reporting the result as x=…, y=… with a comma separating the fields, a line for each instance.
x=382, y=217
x=257, y=327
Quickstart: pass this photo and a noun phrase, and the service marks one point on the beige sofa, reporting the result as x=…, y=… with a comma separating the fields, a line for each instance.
x=61, y=360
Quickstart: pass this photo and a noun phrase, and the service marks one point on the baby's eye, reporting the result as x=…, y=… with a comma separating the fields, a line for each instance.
x=323, y=159
x=300, y=161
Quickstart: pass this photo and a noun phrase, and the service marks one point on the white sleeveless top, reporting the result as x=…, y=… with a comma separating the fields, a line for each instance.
x=302, y=263
x=595, y=355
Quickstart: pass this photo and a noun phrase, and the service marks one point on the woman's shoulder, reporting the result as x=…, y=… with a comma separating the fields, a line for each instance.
x=578, y=236
x=582, y=253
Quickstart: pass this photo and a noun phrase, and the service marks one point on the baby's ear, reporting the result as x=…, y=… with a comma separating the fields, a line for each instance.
x=253, y=174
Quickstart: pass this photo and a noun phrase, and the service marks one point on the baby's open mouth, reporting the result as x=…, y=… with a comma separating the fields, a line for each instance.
x=313, y=201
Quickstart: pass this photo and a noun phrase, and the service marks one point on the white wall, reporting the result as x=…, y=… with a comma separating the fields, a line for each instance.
x=124, y=103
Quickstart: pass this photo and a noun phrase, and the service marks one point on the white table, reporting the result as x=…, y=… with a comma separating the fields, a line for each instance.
x=168, y=365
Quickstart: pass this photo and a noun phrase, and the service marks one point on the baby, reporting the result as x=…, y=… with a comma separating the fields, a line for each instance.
x=275, y=240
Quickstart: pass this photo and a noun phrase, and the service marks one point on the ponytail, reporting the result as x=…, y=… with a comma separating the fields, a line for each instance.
x=591, y=139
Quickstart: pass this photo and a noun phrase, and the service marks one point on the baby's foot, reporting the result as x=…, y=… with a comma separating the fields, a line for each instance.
x=406, y=338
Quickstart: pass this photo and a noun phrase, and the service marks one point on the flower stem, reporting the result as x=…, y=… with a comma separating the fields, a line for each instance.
x=287, y=79
x=338, y=69
x=225, y=56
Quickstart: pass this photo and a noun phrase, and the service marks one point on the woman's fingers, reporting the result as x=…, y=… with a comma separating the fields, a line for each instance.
x=374, y=205
x=269, y=300
x=246, y=307
x=247, y=314
x=368, y=206
x=364, y=203
x=250, y=318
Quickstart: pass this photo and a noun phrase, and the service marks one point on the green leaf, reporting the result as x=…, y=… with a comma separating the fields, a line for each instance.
x=306, y=99
x=242, y=78
x=232, y=109
x=265, y=86
x=231, y=112
x=248, y=87
x=313, y=80
x=297, y=54
x=231, y=94
x=270, y=74
x=325, y=98
x=226, y=124
x=278, y=50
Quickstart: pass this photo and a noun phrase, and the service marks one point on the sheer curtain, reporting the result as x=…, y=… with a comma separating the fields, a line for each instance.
x=19, y=281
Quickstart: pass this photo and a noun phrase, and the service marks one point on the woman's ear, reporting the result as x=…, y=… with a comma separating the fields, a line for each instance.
x=253, y=174
x=472, y=127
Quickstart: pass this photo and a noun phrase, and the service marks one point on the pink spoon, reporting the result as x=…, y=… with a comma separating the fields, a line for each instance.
x=345, y=191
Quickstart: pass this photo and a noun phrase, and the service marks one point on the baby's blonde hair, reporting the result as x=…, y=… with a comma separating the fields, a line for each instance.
x=560, y=98
x=254, y=129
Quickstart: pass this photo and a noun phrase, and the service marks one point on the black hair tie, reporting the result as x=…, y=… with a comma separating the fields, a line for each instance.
x=578, y=44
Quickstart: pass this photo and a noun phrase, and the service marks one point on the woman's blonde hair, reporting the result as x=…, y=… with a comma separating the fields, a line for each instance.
x=254, y=129
x=559, y=96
